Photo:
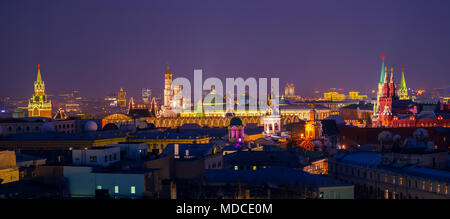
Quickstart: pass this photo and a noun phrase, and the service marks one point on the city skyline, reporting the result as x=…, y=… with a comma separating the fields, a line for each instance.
x=117, y=45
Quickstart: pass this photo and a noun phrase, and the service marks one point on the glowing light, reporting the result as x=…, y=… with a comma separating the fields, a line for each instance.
x=420, y=92
x=39, y=65
x=382, y=56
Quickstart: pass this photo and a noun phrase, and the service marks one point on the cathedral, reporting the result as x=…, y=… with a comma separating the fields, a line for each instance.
x=39, y=105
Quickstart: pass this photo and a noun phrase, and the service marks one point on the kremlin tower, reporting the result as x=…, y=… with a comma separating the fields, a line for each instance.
x=385, y=96
x=403, y=90
x=39, y=105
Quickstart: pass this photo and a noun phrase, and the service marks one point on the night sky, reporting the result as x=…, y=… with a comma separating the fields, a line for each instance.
x=97, y=46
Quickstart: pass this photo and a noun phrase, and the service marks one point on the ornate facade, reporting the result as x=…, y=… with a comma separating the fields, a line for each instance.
x=39, y=105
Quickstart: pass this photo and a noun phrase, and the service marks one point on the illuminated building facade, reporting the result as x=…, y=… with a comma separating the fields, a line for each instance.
x=354, y=95
x=289, y=90
x=122, y=98
x=333, y=96
x=403, y=90
x=39, y=105
x=313, y=128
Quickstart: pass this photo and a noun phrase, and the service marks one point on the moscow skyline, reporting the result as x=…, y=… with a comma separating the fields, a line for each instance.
x=97, y=47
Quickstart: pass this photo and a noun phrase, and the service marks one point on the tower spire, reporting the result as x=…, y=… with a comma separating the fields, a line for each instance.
x=39, y=78
x=403, y=82
x=383, y=71
x=392, y=75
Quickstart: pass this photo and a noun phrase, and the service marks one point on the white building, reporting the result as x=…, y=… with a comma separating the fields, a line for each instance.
x=84, y=181
x=96, y=156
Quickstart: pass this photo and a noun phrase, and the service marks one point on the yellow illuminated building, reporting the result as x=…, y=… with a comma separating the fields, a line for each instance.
x=9, y=172
x=39, y=105
x=354, y=95
x=333, y=96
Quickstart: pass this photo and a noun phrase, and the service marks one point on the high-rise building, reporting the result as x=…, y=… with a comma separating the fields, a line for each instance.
x=146, y=94
x=289, y=90
x=122, y=98
x=39, y=105
x=403, y=90
x=168, y=92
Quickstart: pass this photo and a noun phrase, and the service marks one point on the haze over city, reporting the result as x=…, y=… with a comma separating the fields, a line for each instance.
x=98, y=46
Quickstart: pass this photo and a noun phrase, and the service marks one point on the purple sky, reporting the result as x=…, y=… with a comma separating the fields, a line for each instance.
x=98, y=46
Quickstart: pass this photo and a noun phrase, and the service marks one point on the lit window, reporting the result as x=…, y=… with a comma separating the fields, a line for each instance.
x=99, y=187
x=236, y=167
x=133, y=190
x=93, y=158
x=393, y=179
x=438, y=188
x=386, y=194
x=400, y=181
x=254, y=167
x=116, y=189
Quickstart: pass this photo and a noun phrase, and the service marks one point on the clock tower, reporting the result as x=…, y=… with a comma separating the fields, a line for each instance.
x=39, y=105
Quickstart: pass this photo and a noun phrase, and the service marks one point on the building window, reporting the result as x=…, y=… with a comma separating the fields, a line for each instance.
x=236, y=168
x=385, y=178
x=386, y=194
x=438, y=188
x=116, y=189
x=393, y=179
x=93, y=158
x=423, y=185
x=400, y=180
x=99, y=187
x=254, y=167
x=133, y=190
x=431, y=186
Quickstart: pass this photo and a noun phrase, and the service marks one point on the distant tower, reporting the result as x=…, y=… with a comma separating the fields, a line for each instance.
x=146, y=93
x=168, y=92
x=403, y=90
x=289, y=90
x=122, y=98
x=39, y=105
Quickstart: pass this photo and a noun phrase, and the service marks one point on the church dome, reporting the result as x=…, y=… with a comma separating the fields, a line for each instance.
x=90, y=126
x=235, y=121
x=48, y=127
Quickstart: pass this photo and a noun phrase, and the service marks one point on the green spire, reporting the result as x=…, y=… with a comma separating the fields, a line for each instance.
x=403, y=82
x=382, y=71
x=39, y=78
